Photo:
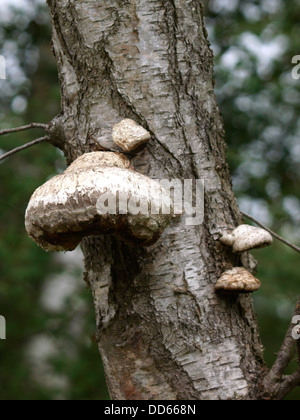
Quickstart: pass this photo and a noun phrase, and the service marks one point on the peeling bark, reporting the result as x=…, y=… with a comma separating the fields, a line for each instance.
x=162, y=331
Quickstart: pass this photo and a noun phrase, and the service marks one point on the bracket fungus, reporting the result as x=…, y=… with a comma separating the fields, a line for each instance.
x=129, y=135
x=83, y=202
x=246, y=237
x=237, y=280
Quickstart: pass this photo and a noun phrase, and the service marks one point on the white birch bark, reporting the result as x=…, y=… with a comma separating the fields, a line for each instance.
x=163, y=333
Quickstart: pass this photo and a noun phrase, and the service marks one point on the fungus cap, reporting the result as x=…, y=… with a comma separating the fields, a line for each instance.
x=246, y=237
x=69, y=206
x=129, y=135
x=237, y=280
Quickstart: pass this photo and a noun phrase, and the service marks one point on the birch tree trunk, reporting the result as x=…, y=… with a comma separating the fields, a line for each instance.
x=162, y=331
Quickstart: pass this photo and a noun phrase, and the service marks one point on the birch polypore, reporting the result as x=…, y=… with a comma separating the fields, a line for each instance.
x=246, y=237
x=129, y=135
x=237, y=280
x=98, y=194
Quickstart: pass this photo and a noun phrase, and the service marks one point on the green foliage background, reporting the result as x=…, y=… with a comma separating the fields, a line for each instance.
x=50, y=352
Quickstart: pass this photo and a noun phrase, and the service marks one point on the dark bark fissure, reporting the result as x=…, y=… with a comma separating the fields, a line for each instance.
x=162, y=331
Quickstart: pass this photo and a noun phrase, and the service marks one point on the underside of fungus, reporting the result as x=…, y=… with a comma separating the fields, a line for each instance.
x=237, y=280
x=129, y=135
x=246, y=237
x=72, y=206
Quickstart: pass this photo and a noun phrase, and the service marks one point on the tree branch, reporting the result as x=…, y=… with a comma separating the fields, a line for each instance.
x=276, y=385
x=25, y=146
x=23, y=128
x=294, y=247
x=287, y=386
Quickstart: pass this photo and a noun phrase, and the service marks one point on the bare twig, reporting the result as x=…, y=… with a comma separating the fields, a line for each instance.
x=25, y=146
x=23, y=128
x=285, y=355
x=288, y=385
x=276, y=385
x=298, y=351
x=294, y=247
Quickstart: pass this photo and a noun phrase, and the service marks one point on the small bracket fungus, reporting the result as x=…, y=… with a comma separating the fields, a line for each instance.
x=237, y=280
x=98, y=194
x=129, y=135
x=246, y=237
